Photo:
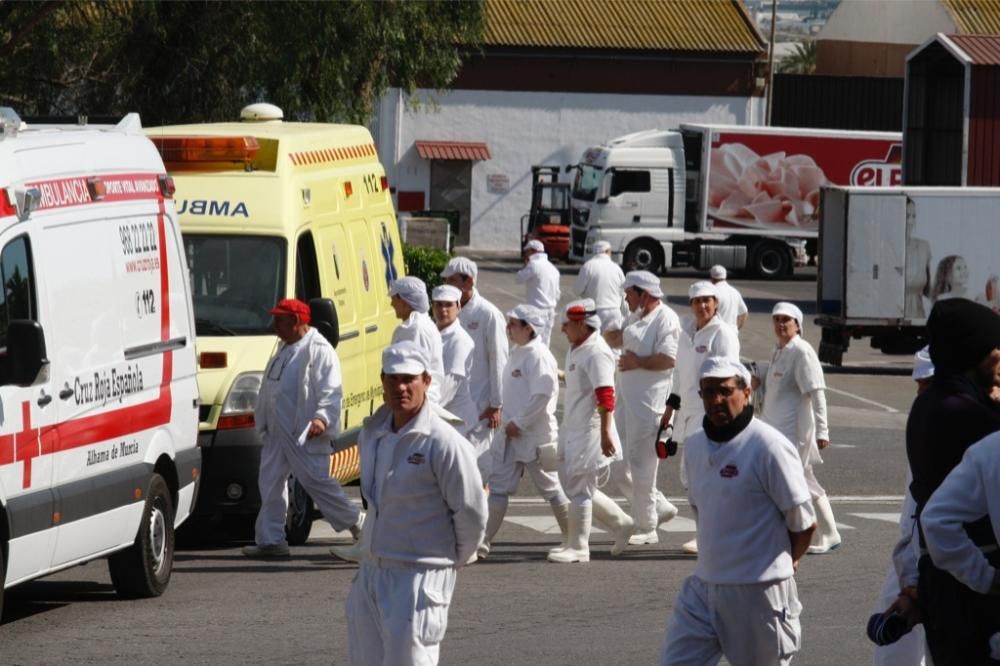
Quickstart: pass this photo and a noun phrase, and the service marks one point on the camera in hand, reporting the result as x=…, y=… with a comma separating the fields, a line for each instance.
x=887, y=628
x=665, y=444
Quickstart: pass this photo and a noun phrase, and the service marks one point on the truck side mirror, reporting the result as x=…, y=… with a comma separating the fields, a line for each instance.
x=25, y=351
x=602, y=200
x=323, y=317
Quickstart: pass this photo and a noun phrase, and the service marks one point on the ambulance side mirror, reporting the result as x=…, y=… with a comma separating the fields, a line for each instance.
x=323, y=317
x=25, y=351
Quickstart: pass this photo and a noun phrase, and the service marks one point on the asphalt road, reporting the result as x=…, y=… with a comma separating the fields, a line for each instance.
x=514, y=608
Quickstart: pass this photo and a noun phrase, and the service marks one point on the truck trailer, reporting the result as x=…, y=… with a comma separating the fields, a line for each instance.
x=888, y=254
x=743, y=197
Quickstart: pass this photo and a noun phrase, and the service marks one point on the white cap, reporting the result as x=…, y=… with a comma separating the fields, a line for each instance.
x=723, y=367
x=446, y=293
x=923, y=367
x=644, y=280
x=583, y=309
x=460, y=266
x=535, y=317
x=702, y=288
x=717, y=272
x=412, y=290
x=601, y=247
x=534, y=245
x=404, y=358
x=789, y=310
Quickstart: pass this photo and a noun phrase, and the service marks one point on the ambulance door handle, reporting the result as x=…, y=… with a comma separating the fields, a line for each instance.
x=371, y=328
x=44, y=399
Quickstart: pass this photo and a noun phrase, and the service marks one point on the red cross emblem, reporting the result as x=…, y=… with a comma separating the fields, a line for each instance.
x=22, y=446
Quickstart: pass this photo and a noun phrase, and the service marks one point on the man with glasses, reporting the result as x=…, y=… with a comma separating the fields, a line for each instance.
x=755, y=520
x=297, y=418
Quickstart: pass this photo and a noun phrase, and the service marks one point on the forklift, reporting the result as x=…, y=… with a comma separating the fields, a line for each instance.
x=549, y=217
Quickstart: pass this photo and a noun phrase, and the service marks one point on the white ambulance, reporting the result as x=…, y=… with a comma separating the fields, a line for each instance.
x=98, y=388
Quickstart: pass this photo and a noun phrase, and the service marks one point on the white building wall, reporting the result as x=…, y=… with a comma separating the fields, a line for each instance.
x=523, y=129
x=887, y=21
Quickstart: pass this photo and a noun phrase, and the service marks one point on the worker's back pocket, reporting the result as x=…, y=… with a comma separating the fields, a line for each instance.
x=433, y=601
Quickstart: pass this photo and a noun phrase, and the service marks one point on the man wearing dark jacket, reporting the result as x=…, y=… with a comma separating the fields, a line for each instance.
x=956, y=411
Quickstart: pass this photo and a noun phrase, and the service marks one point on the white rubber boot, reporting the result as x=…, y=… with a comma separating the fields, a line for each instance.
x=578, y=549
x=826, y=537
x=665, y=511
x=498, y=509
x=561, y=512
x=619, y=523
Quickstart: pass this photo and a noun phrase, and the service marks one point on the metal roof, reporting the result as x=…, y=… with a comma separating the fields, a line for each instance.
x=635, y=25
x=975, y=16
x=453, y=150
x=980, y=49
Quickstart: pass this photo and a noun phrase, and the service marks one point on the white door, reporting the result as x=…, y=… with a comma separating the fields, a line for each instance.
x=876, y=256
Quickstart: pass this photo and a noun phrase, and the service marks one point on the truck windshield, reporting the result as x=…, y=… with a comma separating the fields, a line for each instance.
x=588, y=179
x=235, y=281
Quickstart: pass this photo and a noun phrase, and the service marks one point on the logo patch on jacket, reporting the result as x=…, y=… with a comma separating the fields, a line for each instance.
x=701, y=349
x=729, y=471
x=417, y=459
x=572, y=367
x=473, y=325
x=516, y=373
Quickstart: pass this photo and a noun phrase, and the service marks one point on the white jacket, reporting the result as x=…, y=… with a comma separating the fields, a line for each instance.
x=541, y=280
x=430, y=509
x=968, y=493
x=487, y=327
x=320, y=393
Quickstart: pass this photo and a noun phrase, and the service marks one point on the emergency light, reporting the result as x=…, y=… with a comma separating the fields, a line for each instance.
x=194, y=152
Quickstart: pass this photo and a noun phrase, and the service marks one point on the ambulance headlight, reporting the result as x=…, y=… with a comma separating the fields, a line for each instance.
x=242, y=396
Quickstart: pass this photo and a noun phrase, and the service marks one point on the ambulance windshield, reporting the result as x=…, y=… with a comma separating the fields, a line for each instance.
x=588, y=179
x=235, y=281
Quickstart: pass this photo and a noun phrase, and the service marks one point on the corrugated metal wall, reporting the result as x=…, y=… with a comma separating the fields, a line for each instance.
x=984, y=127
x=933, y=133
x=838, y=102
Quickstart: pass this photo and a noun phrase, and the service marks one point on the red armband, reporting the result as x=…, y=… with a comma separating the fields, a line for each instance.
x=605, y=396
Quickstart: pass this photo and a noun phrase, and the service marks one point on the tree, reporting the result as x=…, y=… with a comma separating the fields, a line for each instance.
x=199, y=61
x=802, y=60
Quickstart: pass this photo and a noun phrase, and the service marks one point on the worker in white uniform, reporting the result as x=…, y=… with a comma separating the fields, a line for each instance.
x=795, y=404
x=457, y=347
x=900, y=587
x=968, y=495
x=703, y=334
x=408, y=296
x=486, y=325
x=541, y=282
x=427, y=514
x=732, y=308
x=645, y=376
x=602, y=280
x=529, y=429
x=755, y=519
x=297, y=418
x=588, y=441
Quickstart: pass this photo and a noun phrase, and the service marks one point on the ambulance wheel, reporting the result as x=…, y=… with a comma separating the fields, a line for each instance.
x=643, y=255
x=770, y=260
x=143, y=569
x=299, y=520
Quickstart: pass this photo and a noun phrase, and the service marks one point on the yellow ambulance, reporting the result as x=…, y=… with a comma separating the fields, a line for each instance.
x=271, y=209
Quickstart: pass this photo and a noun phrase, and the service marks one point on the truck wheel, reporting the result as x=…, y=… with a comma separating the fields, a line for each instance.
x=643, y=255
x=143, y=569
x=299, y=520
x=770, y=260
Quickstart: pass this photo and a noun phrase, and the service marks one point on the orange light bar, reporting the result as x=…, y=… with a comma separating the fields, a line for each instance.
x=212, y=360
x=348, y=189
x=97, y=188
x=179, y=150
x=235, y=422
x=385, y=184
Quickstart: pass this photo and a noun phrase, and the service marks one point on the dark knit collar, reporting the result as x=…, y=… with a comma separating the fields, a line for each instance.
x=730, y=430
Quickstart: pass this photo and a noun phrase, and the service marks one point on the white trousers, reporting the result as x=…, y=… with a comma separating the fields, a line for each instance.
x=638, y=439
x=579, y=487
x=481, y=439
x=752, y=625
x=397, y=615
x=815, y=490
x=277, y=461
x=546, y=333
x=506, y=476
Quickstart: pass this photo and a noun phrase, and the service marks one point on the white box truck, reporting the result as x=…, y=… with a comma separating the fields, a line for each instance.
x=888, y=254
x=743, y=197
